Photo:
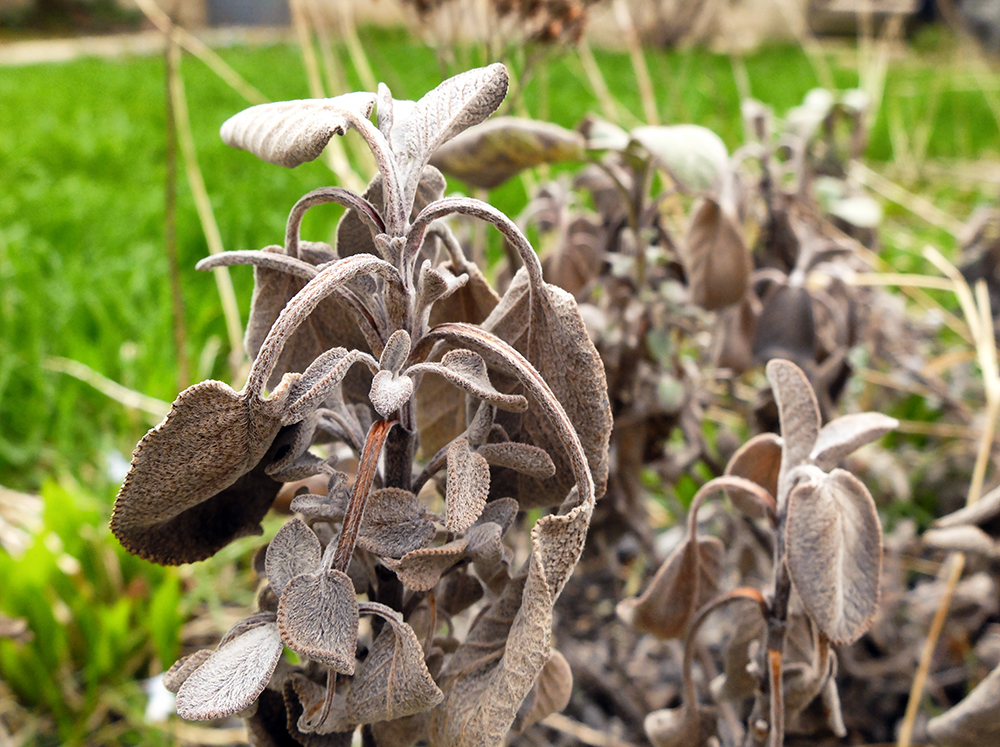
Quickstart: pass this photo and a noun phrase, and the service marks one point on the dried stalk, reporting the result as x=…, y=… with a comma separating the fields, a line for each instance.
x=155, y=408
x=979, y=317
x=334, y=154
x=230, y=309
x=199, y=49
x=624, y=18
x=172, y=53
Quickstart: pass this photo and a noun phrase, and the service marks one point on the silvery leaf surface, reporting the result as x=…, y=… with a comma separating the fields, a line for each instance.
x=289, y=133
x=458, y=103
x=834, y=545
x=232, y=677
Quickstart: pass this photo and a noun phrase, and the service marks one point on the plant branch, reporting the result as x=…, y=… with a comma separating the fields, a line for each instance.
x=367, y=466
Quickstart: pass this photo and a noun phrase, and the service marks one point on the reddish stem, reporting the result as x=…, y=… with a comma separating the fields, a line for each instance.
x=359, y=496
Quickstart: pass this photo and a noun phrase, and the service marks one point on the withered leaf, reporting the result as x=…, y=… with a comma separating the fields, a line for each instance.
x=523, y=458
x=232, y=677
x=841, y=436
x=395, y=523
x=289, y=133
x=392, y=681
x=492, y=672
x=574, y=262
x=318, y=618
x=304, y=703
x=975, y=721
x=468, y=486
x=490, y=153
x=501, y=511
x=688, y=579
x=964, y=538
x=786, y=327
x=834, y=545
x=294, y=550
x=546, y=327
x=758, y=460
x=716, y=259
x=980, y=512
x=197, y=480
x=550, y=694
x=461, y=590
x=420, y=570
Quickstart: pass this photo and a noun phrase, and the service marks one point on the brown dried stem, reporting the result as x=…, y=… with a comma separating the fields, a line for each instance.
x=355, y=514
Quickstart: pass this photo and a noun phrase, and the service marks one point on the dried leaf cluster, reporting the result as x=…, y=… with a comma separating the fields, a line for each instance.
x=393, y=344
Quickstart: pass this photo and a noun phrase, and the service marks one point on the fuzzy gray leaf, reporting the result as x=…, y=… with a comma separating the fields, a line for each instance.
x=550, y=694
x=395, y=352
x=458, y=103
x=394, y=524
x=690, y=725
x=294, y=550
x=492, y=672
x=688, y=579
x=545, y=326
x=232, y=677
x=326, y=372
x=980, y=512
x=834, y=543
x=468, y=486
x=176, y=676
x=289, y=133
x=694, y=156
x=421, y=569
x=840, y=437
x=490, y=153
x=798, y=412
x=467, y=370
x=318, y=618
x=389, y=392
x=975, y=721
x=787, y=326
x=716, y=259
x=758, y=460
x=393, y=681
x=523, y=458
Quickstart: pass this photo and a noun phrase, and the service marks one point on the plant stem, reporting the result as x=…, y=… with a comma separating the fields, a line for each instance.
x=927, y=652
x=367, y=467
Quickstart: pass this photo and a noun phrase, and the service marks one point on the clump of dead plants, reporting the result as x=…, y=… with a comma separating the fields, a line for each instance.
x=391, y=343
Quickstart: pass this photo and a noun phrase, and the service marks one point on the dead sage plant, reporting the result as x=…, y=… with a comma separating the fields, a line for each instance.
x=820, y=526
x=462, y=408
